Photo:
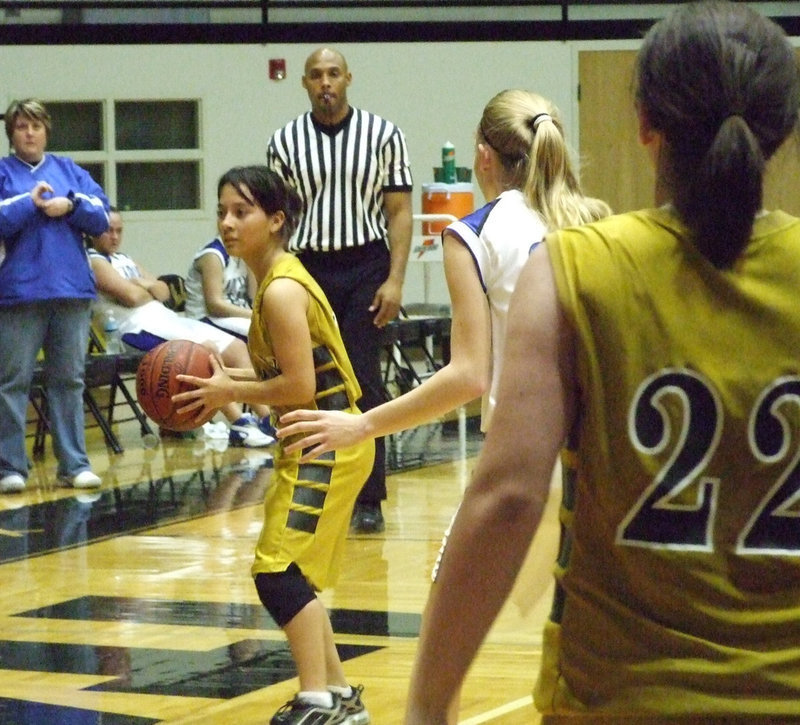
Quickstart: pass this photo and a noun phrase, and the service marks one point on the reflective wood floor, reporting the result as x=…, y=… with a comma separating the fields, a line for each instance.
x=134, y=603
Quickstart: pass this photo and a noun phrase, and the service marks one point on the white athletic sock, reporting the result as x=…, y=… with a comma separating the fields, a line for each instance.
x=323, y=699
x=343, y=692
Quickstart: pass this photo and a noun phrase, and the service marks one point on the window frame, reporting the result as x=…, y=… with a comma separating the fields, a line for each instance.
x=110, y=156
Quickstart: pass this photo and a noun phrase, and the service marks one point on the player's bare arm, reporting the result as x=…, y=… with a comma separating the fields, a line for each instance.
x=464, y=378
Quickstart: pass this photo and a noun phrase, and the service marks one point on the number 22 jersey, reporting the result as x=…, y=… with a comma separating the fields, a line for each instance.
x=678, y=579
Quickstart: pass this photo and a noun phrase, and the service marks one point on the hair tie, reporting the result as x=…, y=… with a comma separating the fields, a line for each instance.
x=538, y=119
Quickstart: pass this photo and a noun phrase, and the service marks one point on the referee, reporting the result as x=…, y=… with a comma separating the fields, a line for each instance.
x=352, y=172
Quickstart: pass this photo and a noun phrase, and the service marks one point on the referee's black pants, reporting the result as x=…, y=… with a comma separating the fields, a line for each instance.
x=350, y=278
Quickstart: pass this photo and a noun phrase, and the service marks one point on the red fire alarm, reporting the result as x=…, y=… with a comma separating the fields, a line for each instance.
x=277, y=69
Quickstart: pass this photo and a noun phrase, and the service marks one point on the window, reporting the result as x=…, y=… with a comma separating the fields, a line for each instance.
x=155, y=125
x=144, y=153
x=76, y=126
x=150, y=185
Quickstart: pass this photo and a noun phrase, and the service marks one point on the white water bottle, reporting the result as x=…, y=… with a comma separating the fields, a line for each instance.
x=449, y=163
x=111, y=334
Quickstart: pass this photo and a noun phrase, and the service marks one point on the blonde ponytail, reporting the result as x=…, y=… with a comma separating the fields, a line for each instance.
x=525, y=130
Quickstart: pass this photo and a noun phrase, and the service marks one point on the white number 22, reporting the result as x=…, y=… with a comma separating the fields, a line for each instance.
x=661, y=517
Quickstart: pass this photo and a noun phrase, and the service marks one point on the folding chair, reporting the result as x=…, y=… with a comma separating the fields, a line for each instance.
x=113, y=371
x=411, y=343
x=102, y=371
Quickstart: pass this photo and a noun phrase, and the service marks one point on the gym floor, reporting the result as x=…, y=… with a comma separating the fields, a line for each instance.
x=134, y=603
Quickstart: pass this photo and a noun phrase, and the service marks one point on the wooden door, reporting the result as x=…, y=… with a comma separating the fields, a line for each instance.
x=616, y=168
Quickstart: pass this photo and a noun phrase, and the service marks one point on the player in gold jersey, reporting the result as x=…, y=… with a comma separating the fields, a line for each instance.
x=299, y=360
x=660, y=350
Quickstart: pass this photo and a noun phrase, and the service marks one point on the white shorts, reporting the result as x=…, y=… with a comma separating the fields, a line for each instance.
x=156, y=319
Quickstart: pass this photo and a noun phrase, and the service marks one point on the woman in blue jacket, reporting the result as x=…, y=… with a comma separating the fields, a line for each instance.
x=47, y=203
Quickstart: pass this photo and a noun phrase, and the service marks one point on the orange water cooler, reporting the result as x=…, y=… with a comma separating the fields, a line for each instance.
x=455, y=200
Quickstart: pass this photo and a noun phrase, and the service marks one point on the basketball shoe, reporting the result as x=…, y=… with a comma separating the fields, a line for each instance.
x=354, y=711
x=246, y=433
x=266, y=427
x=299, y=712
x=368, y=518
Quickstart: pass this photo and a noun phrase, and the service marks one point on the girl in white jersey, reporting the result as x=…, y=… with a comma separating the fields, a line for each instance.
x=522, y=165
x=220, y=290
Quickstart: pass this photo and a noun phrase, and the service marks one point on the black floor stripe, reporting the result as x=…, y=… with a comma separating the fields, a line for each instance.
x=23, y=712
x=222, y=673
x=231, y=615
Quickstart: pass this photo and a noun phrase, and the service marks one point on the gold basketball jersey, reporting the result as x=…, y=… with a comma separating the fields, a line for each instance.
x=678, y=580
x=308, y=506
x=337, y=386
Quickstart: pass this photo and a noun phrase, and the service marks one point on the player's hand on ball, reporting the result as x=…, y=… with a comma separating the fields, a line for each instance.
x=157, y=381
x=209, y=394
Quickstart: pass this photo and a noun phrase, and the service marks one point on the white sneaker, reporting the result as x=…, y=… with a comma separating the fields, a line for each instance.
x=215, y=430
x=12, y=483
x=245, y=433
x=85, y=479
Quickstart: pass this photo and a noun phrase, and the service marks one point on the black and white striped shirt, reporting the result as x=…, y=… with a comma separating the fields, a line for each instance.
x=341, y=173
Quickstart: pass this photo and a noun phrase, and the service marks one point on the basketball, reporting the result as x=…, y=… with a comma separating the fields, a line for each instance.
x=156, y=381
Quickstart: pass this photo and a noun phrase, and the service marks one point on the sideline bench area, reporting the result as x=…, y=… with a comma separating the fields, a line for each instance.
x=108, y=376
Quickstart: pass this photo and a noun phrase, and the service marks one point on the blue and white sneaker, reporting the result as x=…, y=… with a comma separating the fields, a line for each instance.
x=246, y=433
x=266, y=427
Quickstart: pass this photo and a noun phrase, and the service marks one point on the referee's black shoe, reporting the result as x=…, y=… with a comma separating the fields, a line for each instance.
x=367, y=518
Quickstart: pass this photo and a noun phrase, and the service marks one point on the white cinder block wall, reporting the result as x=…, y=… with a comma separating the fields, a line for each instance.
x=434, y=91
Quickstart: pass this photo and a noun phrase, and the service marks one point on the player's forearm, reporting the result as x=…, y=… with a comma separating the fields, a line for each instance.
x=225, y=308
x=241, y=373
x=278, y=391
x=156, y=289
x=446, y=390
x=130, y=294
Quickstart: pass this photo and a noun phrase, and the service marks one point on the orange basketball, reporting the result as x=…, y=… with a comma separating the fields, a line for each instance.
x=156, y=382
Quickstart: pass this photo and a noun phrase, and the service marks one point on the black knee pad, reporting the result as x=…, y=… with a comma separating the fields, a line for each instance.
x=284, y=594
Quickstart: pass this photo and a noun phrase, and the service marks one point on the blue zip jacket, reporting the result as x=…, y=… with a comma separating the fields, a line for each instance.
x=45, y=257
